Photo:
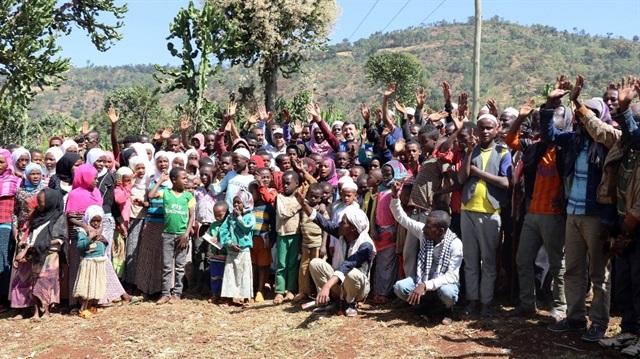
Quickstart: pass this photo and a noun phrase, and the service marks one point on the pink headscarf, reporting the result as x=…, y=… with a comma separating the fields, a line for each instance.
x=199, y=137
x=324, y=149
x=333, y=177
x=8, y=182
x=113, y=161
x=81, y=197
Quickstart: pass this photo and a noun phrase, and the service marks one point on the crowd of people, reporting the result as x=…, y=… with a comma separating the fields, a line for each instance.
x=415, y=207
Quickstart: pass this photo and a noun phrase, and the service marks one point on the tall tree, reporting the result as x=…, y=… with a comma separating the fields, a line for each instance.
x=29, y=54
x=405, y=70
x=276, y=35
x=204, y=34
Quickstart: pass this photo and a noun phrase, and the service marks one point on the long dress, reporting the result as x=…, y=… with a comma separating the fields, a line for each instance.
x=114, y=287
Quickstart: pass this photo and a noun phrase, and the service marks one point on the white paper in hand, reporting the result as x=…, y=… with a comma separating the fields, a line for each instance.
x=207, y=237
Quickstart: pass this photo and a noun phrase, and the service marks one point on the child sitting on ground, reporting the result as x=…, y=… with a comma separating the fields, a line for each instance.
x=238, y=276
x=91, y=281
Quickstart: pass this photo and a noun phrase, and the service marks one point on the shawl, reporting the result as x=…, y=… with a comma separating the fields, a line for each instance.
x=81, y=196
x=148, y=146
x=333, y=177
x=359, y=220
x=8, y=182
x=27, y=171
x=93, y=155
x=425, y=258
x=66, y=145
x=157, y=173
x=323, y=148
x=51, y=217
x=17, y=153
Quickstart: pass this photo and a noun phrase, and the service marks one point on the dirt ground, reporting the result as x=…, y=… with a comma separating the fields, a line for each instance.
x=197, y=329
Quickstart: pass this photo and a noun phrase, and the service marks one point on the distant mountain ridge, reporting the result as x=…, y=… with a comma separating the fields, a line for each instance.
x=517, y=62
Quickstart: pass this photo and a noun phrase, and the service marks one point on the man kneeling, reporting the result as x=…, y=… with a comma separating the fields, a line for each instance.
x=439, y=259
x=355, y=251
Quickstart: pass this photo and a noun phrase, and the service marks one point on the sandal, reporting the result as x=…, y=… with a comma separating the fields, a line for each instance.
x=135, y=300
x=380, y=299
x=85, y=314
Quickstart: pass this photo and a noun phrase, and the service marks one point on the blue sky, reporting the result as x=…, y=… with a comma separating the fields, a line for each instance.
x=147, y=22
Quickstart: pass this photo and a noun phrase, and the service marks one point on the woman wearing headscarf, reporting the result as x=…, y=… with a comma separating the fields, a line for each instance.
x=21, y=158
x=36, y=281
x=25, y=197
x=355, y=252
x=62, y=180
x=327, y=172
x=51, y=158
x=8, y=187
x=70, y=146
x=111, y=218
x=138, y=165
x=318, y=144
x=385, y=271
x=148, y=276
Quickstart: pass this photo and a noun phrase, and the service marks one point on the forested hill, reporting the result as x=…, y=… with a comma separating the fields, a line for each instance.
x=517, y=61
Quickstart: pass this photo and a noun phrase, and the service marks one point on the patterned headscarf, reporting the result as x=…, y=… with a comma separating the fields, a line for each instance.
x=399, y=173
x=247, y=201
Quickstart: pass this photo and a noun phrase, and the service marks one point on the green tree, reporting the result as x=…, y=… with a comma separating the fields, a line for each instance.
x=404, y=69
x=29, y=54
x=209, y=31
x=139, y=109
x=276, y=35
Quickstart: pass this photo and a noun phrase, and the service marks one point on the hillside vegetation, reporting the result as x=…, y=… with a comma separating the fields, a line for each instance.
x=517, y=62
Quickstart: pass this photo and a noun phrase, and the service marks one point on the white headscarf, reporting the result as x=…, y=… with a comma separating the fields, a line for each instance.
x=182, y=156
x=140, y=183
x=68, y=144
x=157, y=173
x=93, y=155
x=91, y=212
x=148, y=146
x=17, y=153
x=57, y=155
x=359, y=220
x=189, y=152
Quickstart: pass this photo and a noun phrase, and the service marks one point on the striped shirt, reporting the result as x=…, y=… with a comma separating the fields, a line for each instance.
x=265, y=219
x=428, y=180
x=311, y=232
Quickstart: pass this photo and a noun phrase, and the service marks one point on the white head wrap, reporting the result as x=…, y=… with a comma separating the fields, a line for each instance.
x=511, y=111
x=57, y=154
x=93, y=155
x=91, y=212
x=68, y=144
x=488, y=116
x=17, y=153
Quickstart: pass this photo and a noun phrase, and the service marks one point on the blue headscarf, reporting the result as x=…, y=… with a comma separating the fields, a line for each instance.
x=399, y=173
x=27, y=171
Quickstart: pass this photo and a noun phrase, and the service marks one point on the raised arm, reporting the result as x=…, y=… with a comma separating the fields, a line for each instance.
x=114, y=117
x=600, y=132
x=316, y=217
x=399, y=214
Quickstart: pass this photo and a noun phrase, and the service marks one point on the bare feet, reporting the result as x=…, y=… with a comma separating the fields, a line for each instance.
x=289, y=297
x=278, y=299
x=164, y=300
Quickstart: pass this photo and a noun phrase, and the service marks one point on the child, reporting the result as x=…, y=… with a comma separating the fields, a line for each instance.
x=327, y=194
x=138, y=165
x=238, y=276
x=343, y=164
x=179, y=216
x=385, y=271
x=91, y=281
x=314, y=242
x=363, y=187
x=288, y=240
x=401, y=236
x=122, y=193
x=348, y=195
x=205, y=208
x=264, y=236
x=219, y=231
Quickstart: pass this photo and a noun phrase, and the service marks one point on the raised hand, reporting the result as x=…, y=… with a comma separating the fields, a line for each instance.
x=457, y=121
x=287, y=116
x=363, y=134
x=297, y=127
x=527, y=108
x=254, y=118
x=299, y=197
x=231, y=108
x=493, y=107
x=391, y=89
x=114, y=117
x=158, y=135
x=463, y=104
x=577, y=89
x=311, y=109
x=366, y=114
x=262, y=113
x=166, y=134
x=561, y=88
x=435, y=117
x=446, y=92
x=184, y=123
x=421, y=97
x=395, y=188
x=400, y=107
x=627, y=91
x=378, y=115
x=164, y=176
x=85, y=128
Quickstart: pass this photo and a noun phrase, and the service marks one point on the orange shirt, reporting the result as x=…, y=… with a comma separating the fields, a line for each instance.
x=547, y=191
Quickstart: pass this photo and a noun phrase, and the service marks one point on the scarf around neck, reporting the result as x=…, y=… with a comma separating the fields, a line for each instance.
x=425, y=258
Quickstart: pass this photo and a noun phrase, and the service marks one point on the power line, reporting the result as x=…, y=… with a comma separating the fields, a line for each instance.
x=361, y=22
x=431, y=13
x=396, y=15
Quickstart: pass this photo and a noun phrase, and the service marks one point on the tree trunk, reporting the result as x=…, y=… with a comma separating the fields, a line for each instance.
x=476, y=61
x=270, y=78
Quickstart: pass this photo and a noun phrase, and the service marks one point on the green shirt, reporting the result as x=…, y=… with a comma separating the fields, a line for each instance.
x=176, y=210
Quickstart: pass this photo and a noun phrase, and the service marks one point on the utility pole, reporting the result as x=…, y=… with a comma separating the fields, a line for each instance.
x=476, y=61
